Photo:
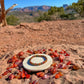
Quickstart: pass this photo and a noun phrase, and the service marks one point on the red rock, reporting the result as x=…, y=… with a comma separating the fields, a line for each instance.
x=30, y=83
x=75, y=67
x=59, y=66
x=11, y=77
x=9, y=69
x=52, y=56
x=56, y=51
x=14, y=57
x=50, y=49
x=61, y=58
x=55, y=54
x=0, y=77
x=67, y=54
x=45, y=77
x=5, y=73
x=18, y=62
x=40, y=74
x=18, y=76
x=53, y=70
x=68, y=63
x=65, y=67
x=60, y=73
x=14, y=65
x=54, y=64
x=29, y=51
x=61, y=52
x=28, y=76
x=57, y=76
x=35, y=52
x=10, y=61
x=44, y=50
x=23, y=75
x=21, y=53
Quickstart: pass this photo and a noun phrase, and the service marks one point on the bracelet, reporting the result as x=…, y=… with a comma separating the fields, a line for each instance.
x=36, y=64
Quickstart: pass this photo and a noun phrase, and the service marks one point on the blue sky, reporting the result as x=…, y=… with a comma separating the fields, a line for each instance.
x=25, y=3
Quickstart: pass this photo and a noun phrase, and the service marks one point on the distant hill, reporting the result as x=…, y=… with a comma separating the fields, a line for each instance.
x=36, y=8
x=30, y=14
x=32, y=8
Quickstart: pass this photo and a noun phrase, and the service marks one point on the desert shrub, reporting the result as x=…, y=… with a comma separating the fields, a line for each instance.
x=12, y=20
x=67, y=16
x=78, y=7
x=55, y=9
x=45, y=16
x=52, y=14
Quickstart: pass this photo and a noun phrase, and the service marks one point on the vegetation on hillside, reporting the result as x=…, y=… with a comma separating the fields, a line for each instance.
x=12, y=20
x=78, y=7
x=59, y=13
x=52, y=14
x=74, y=11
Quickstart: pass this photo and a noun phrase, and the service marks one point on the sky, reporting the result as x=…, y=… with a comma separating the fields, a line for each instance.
x=26, y=3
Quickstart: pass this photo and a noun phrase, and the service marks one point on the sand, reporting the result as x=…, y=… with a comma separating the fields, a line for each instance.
x=67, y=35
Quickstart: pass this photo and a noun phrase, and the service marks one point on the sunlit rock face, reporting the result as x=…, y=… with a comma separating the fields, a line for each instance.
x=32, y=8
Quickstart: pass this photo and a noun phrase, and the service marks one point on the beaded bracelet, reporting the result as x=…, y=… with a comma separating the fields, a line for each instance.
x=36, y=64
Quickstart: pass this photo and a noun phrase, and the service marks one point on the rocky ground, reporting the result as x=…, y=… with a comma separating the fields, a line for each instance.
x=68, y=35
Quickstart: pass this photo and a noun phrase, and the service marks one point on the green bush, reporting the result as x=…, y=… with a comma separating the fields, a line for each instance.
x=45, y=16
x=78, y=7
x=67, y=16
x=12, y=20
x=52, y=14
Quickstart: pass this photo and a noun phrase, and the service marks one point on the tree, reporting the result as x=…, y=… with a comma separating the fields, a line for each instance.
x=55, y=9
x=12, y=20
x=52, y=14
x=4, y=12
x=78, y=7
